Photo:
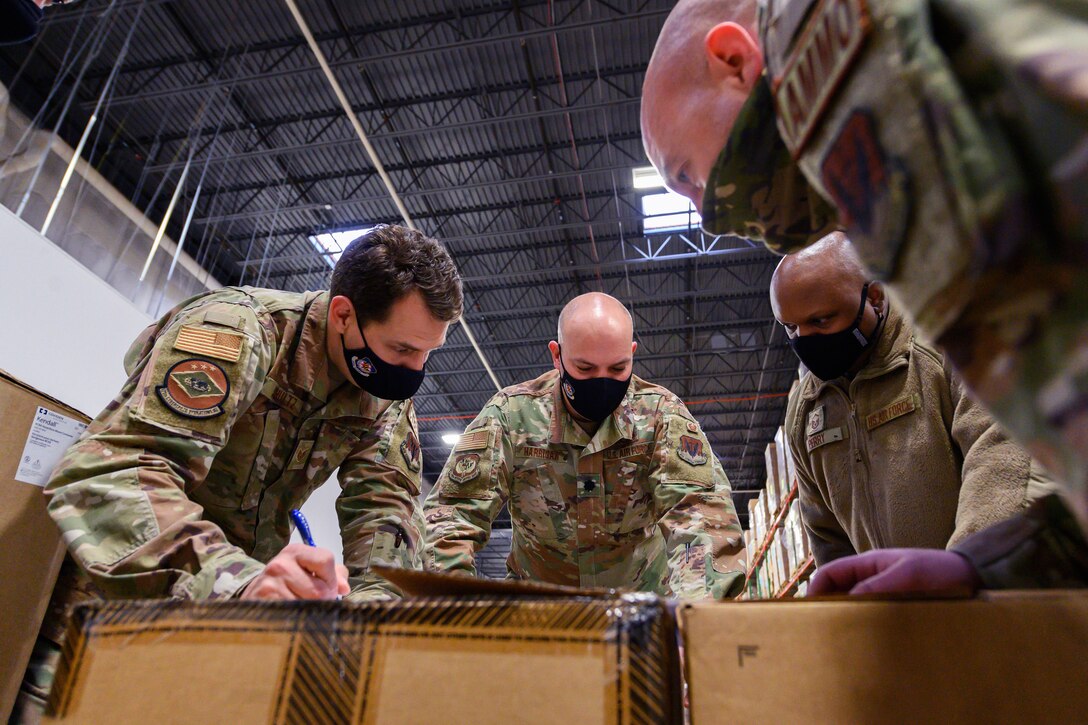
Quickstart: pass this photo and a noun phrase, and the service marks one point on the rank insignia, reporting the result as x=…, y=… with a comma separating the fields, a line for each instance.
x=816, y=420
x=300, y=456
x=409, y=448
x=691, y=450
x=363, y=366
x=194, y=389
x=465, y=468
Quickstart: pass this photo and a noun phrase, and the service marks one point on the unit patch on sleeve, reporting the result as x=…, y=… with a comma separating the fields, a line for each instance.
x=409, y=448
x=465, y=468
x=212, y=343
x=690, y=449
x=194, y=389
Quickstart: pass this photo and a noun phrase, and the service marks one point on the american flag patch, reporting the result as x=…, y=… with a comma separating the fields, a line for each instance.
x=202, y=341
x=474, y=441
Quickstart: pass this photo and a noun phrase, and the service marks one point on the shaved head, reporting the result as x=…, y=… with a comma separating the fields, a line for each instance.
x=818, y=289
x=595, y=312
x=704, y=65
x=595, y=337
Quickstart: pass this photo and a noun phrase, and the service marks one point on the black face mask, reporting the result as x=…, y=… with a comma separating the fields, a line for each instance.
x=19, y=21
x=832, y=356
x=379, y=378
x=594, y=398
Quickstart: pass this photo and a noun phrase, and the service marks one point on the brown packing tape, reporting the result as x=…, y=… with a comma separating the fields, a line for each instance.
x=480, y=659
x=430, y=584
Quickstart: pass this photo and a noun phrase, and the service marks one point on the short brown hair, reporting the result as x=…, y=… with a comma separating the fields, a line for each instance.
x=388, y=262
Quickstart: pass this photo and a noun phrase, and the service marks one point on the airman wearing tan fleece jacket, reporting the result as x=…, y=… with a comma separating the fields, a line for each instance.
x=890, y=449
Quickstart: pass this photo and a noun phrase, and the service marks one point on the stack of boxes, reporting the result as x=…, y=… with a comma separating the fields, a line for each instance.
x=779, y=558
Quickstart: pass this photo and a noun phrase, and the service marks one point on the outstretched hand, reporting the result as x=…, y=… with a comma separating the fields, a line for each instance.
x=896, y=571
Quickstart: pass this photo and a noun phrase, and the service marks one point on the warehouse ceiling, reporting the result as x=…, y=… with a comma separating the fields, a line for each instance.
x=509, y=128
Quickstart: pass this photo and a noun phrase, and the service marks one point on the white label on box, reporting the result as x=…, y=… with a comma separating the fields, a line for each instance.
x=50, y=436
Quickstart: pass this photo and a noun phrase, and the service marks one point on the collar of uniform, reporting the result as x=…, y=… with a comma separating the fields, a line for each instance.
x=616, y=427
x=892, y=351
x=756, y=190
x=309, y=369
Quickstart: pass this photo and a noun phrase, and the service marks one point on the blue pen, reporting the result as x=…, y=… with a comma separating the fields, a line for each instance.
x=303, y=527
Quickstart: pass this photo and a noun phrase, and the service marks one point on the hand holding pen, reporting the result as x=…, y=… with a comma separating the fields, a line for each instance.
x=300, y=571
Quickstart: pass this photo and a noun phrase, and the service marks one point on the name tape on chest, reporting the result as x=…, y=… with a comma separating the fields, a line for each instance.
x=213, y=343
x=823, y=54
x=899, y=408
x=823, y=438
x=638, y=449
x=534, y=452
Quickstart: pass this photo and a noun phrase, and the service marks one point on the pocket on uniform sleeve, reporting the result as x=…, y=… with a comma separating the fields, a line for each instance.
x=469, y=470
x=688, y=454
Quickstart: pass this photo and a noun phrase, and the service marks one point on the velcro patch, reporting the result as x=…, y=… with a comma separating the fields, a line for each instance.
x=212, y=343
x=899, y=408
x=631, y=451
x=474, y=441
x=410, y=450
x=816, y=420
x=465, y=468
x=545, y=453
x=820, y=59
x=823, y=438
x=690, y=450
x=194, y=389
x=300, y=456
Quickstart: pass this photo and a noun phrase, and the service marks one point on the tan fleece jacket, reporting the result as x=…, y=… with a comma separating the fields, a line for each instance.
x=901, y=455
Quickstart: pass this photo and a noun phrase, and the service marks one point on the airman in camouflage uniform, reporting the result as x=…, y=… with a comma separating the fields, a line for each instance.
x=948, y=138
x=152, y=502
x=235, y=410
x=638, y=502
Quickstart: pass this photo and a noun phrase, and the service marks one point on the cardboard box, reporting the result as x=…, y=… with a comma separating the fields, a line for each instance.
x=489, y=652
x=35, y=430
x=770, y=457
x=1009, y=657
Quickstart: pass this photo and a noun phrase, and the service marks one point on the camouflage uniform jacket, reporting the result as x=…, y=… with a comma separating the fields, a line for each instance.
x=642, y=504
x=947, y=138
x=232, y=416
x=900, y=455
